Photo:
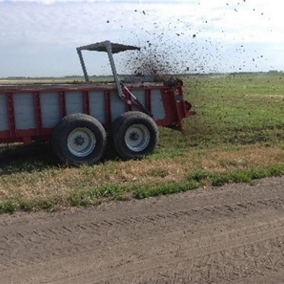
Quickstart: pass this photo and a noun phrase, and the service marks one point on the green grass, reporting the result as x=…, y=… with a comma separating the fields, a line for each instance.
x=236, y=136
x=93, y=196
x=236, y=109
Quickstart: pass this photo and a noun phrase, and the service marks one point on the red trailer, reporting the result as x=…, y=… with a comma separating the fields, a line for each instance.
x=79, y=118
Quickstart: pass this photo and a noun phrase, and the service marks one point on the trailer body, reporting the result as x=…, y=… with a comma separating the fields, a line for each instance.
x=30, y=112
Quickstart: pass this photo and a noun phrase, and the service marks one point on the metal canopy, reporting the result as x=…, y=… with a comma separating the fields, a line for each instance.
x=105, y=46
x=110, y=48
x=102, y=46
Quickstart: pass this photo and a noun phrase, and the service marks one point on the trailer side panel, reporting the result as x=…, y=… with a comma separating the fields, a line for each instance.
x=30, y=113
x=4, y=115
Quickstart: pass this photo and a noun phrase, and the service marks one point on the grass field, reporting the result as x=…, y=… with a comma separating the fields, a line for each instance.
x=236, y=136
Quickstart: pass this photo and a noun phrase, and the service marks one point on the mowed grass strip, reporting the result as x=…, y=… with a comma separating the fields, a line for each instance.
x=236, y=136
x=59, y=187
x=96, y=195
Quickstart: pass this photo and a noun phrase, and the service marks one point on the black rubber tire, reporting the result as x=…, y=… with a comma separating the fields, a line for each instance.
x=141, y=125
x=80, y=128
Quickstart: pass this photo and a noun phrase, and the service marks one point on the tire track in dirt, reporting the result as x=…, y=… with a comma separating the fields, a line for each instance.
x=206, y=236
x=234, y=246
x=89, y=235
x=223, y=266
x=223, y=255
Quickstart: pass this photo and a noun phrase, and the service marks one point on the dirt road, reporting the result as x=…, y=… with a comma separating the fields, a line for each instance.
x=232, y=234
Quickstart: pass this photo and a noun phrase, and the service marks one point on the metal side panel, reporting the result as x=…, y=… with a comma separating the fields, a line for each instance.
x=157, y=105
x=50, y=109
x=97, y=105
x=4, y=123
x=117, y=105
x=140, y=95
x=24, y=110
x=74, y=102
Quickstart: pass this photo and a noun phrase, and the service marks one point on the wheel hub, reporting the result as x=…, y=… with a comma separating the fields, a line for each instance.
x=137, y=137
x=79, y=140
x=134, y=136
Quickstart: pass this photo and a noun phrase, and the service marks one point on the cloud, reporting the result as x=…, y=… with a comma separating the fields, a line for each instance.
x=36, y=32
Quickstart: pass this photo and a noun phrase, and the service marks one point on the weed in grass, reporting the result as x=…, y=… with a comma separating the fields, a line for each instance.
x=199, y=175
x=28, y=206
x=245, y=176
x=239, y=177
x=234, y=163
x=45, y=204
x=91, y=196
x=276, y=171
x=164, y=153
x=8, y=206
x=258, y=174
x=225, y=178
x=219, y=180
x=158, y=172
x=163, y=189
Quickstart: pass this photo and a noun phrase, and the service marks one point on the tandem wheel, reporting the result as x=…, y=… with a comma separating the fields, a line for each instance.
x=79, y=139
x=134, y=135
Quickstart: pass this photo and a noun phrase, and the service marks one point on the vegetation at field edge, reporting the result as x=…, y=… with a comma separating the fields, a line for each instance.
x=96, y=195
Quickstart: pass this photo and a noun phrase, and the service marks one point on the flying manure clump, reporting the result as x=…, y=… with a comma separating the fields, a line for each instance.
x=152, y=61
x=164, y=54
x=149, y=63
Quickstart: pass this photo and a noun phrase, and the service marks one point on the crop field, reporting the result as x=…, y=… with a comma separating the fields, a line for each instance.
x=236, y=136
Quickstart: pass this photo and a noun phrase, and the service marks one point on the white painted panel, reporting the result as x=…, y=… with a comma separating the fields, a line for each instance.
x=140, y=95
x=117, y=105
x=157, y=105
x=50, y=109
x=74, y=102
x=97, y=105
x=4, y=122
x=24, y=110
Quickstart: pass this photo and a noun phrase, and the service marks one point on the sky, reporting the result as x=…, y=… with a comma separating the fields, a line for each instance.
x=39, y=37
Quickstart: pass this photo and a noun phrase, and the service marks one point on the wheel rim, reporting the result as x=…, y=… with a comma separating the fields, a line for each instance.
x=137, y=137
x=81, y=142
